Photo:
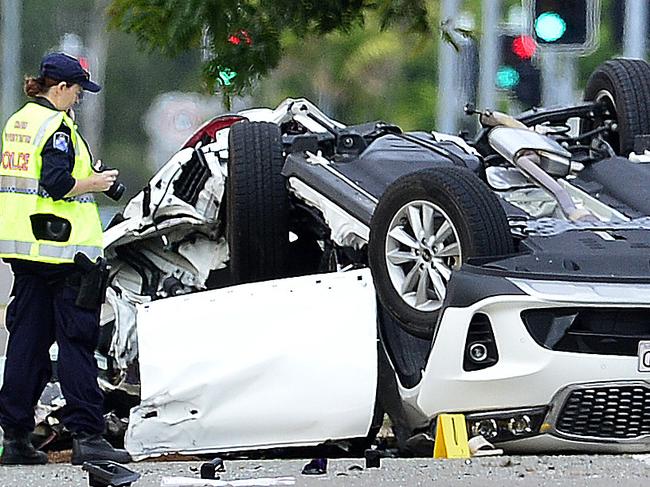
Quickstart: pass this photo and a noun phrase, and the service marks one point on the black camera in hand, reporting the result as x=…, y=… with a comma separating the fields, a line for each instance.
x=117, y=189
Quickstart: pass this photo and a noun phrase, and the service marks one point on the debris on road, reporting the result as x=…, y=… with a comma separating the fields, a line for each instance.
x=103, y=473
x=318, y=466
x=373, y=458
x=480, y=447
x=209, y=469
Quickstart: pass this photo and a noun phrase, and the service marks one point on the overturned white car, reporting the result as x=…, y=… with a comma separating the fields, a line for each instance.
x=353, y=271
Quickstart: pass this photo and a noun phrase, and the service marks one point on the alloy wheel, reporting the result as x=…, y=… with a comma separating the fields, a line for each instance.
x=422, y=249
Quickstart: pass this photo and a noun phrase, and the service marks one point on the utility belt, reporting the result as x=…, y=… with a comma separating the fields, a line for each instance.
x=91, y=280
x=88, y=278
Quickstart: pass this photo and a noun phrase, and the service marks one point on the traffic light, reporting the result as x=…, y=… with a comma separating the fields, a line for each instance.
x=566, y=24
x=225, y=75
x=516, y=72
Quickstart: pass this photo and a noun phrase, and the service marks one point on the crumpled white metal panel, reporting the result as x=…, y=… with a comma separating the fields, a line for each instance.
x=288, y=362
x=346, y=230
x=124, y=344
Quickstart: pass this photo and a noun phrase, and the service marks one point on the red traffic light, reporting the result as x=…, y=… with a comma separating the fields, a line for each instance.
x=524, y=47
x=239, y=37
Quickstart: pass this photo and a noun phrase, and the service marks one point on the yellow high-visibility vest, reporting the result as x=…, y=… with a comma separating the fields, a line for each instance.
x=21, y=196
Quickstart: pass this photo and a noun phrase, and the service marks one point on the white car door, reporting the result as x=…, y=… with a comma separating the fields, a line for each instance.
x=289, y=362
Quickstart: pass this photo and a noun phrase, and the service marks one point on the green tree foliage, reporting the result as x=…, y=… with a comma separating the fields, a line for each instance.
x=244, y=37
x=365, y=74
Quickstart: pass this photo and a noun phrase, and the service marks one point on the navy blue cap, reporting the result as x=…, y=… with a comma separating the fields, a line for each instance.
x=61, y=67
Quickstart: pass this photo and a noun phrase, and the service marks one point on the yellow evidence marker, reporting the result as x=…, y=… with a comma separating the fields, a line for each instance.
x=451, y=437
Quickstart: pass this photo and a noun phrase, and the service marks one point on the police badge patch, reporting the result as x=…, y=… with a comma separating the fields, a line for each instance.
x=61, y=141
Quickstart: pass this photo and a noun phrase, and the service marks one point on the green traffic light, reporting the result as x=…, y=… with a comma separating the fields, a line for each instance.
x=549, y=26
x=226, y=76
x=507, y=78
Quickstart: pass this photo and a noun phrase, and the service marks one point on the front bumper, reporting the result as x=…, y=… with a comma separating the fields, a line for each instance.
x=597, y=417
x=595, y=402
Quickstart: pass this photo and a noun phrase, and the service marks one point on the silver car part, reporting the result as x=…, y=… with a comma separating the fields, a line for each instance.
x=575, y=293
x=593, y=205
x=506, y=178
x=346, y=230
x=538, y=157
x=420, y=256
x=491, y=118
x=511, y=142
x=528, y=164
x=535, y=201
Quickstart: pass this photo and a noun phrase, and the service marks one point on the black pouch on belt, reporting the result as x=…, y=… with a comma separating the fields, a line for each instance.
x=93, y=282
x=46, y=226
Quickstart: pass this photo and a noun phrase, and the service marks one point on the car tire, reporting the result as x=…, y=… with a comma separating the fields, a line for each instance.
x=454, y=216
x=257, y=203
x=623, y=85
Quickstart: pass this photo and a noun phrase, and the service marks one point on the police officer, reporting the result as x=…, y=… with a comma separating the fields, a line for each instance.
x=48, y=216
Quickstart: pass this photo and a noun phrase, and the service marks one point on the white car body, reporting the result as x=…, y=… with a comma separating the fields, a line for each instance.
x=294, y=362
x=529, y=375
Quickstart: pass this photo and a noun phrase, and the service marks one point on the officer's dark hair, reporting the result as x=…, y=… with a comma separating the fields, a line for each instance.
x=39, y=86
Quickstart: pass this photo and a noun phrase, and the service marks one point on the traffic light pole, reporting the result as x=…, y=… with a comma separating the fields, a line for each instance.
x=92, y=115
x=447, y=115
x=10, y=66
x=635, y=28
x=489, y=53
x=558, y=78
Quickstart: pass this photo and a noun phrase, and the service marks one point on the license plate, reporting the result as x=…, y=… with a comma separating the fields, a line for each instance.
x=644, y=356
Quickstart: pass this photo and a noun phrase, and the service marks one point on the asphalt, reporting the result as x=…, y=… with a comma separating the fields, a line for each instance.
x=598, y=471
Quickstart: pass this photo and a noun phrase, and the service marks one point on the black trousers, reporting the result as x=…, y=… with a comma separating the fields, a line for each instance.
x=42, y=311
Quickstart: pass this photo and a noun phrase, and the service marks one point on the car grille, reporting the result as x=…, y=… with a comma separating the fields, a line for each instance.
x=192, y=179
x=606, y=412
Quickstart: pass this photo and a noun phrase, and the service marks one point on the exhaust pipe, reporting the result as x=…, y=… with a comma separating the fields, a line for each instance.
x=528, y=162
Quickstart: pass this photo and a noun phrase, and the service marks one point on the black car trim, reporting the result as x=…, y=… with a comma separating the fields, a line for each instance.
x=467, y=287
x=328, y=184
x=437, y=149
x=486, y=269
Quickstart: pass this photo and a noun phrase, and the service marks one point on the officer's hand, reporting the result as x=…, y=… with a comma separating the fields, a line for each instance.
x=101, y=181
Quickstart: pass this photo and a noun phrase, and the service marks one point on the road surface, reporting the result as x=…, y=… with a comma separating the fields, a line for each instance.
x=592, y=471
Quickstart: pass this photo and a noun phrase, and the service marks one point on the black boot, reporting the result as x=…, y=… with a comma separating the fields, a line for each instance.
x=18, y=450
x=88, y=447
